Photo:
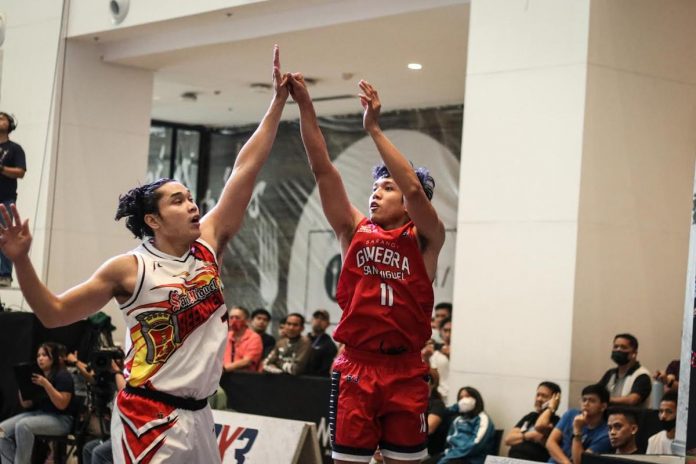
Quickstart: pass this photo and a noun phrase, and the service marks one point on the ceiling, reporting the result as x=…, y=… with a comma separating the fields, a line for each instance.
x=337, y=56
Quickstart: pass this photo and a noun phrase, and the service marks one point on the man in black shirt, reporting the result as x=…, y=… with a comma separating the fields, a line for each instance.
x=527, y=440
x=629, y=384
x=260, y=319
x=13, y=165
x=323, y=347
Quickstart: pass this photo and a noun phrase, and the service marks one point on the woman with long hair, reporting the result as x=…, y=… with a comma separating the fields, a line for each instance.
x=51, y=414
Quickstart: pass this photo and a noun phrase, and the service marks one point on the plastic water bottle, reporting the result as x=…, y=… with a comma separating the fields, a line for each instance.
x=656, y=396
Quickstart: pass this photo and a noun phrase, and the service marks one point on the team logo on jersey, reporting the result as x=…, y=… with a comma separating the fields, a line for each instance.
x=160, y=331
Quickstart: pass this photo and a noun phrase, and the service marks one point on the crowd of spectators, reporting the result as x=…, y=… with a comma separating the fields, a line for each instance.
x=607, y=419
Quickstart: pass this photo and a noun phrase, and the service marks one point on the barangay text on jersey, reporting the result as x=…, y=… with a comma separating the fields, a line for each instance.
x=380, y=251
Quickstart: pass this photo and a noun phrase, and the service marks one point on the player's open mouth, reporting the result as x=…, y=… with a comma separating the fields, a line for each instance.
x=195, y=219
x=373, y=206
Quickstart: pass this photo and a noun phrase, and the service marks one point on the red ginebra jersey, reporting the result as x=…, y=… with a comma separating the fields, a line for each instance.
x=384, y=291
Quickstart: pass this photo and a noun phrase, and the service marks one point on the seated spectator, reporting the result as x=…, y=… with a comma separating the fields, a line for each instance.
x=323, y=347
x=244, y=346
x=260, y=318
x=670, y=377
x=441, y=311
x=439, y=418
x=291, y=354
x=51, y=414
x=471, y=435
x=527, y=440
x=623, y=426
x=583, y=430
x=661, y=442
x=628, y=384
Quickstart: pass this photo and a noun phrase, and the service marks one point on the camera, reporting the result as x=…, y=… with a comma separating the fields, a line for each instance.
x=100, y=360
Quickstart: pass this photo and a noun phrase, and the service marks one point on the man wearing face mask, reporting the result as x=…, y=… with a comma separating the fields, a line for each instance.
x=628, y=384
x=244, y=346
x=661, y=442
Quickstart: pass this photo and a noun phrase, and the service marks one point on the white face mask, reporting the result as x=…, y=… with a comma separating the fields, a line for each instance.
x=467, y=404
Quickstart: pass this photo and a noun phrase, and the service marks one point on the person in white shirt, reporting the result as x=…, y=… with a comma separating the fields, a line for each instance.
x=661, y=442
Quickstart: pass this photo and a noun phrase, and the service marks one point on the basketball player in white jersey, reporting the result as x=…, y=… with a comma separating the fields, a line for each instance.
x=170, y=294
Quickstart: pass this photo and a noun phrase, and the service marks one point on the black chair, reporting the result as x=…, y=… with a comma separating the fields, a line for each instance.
x=497, y=440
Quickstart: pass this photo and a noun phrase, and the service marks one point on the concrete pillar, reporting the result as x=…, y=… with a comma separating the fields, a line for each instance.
x=575, y=192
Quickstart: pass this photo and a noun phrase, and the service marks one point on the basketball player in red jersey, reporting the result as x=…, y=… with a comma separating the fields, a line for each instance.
x=379, y=383
x=170, y=294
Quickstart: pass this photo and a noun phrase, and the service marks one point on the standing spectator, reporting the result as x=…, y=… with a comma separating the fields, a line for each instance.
x=440, y=357
x=670, y=377
x=623, y=427
x=50, y=415
x=244, y=346
x=13, y=166
x=527, y=440
x=291, y=353
x=583, y=430
x=260, y=318
x=628, y=384
x=441, y=311
x=471, y=435
x=323, y=348
x=661, y=442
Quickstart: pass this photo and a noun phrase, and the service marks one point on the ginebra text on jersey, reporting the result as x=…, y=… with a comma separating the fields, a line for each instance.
x=382, y=255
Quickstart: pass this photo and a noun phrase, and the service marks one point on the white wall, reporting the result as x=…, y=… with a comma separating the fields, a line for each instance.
x=102, y=152
x=31, y=72
x=519, y=189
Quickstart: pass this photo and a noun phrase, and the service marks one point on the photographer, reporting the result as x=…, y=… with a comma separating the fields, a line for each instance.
x=108, y=380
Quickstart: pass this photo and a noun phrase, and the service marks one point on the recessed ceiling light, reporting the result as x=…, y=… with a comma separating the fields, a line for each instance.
x=415, y=66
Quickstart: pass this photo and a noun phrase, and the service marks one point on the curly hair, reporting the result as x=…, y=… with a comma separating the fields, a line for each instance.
x=138, y=202
x=423, y=174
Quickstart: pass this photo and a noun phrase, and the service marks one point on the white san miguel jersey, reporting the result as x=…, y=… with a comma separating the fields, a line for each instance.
x=176, y=322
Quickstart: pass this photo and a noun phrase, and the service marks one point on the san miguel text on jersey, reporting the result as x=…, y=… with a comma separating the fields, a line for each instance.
x=384, y=291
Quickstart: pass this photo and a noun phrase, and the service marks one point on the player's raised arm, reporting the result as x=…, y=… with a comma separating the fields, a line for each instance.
x=417, y=203
x=341, y=214
x=225, y=219
x=75, y=304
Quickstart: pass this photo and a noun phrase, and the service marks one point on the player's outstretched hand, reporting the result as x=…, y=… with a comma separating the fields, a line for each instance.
x=15, y=238
x=280, y=82
x=369, y=99
x=298, y=88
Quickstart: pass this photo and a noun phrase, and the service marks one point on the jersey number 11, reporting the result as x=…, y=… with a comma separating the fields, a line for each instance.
x=387, y=296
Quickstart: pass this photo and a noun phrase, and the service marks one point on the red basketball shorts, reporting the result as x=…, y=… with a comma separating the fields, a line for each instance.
x=378, y=400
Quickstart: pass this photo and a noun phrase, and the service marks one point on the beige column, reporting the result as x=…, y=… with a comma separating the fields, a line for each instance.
x=575, y=193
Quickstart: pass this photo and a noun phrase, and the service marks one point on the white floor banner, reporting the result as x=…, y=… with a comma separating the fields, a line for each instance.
x=249, y=439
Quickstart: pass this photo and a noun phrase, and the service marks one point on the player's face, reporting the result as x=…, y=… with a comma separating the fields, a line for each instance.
x=621, y=431
x=293, y=327
x=543, y=394
x=178, y=215
x=43, y=360
x=386, y=203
